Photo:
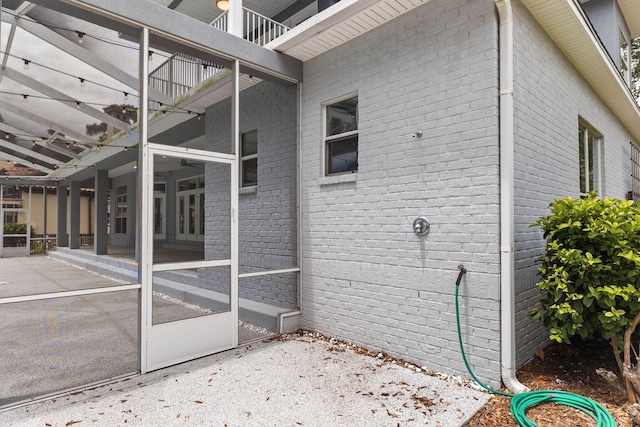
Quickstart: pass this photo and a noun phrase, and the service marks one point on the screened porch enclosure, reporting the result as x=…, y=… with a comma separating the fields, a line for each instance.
x=170, y=217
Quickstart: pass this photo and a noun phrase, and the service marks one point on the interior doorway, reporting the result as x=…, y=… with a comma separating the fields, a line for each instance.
x=190, y=215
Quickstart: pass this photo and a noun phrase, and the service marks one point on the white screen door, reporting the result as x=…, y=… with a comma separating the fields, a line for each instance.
x=190, y=288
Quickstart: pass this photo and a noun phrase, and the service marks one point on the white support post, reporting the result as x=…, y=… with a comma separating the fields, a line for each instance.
x=45, y=214
x=29, y=222
x=144, y=239
x=234, y=18
x=235, y=140
x=299, y=193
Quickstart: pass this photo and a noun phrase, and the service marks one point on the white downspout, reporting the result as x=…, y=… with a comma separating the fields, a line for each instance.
x=507, y=292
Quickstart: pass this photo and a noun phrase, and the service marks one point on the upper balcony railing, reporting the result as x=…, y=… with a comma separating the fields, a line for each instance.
x=221, y=22
x=182, y=72
x=257, y=28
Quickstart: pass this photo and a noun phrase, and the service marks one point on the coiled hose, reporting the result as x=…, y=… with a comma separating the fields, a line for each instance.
x=520, y=403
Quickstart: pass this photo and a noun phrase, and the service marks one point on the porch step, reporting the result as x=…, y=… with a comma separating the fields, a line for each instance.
x=253, y=312
x=184, y=286
x=121, y=269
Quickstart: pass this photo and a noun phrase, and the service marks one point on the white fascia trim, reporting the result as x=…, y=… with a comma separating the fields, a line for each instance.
x=565, y=22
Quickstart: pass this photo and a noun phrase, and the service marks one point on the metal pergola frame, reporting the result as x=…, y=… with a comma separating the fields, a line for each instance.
x=168, y=30
x=160, y=26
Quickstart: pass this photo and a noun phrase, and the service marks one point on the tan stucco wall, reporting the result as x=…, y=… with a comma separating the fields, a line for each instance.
x=37, y=213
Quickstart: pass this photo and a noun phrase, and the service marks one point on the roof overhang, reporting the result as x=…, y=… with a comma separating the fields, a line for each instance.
x=631, y=11
x=567, y=25
x=338, y=24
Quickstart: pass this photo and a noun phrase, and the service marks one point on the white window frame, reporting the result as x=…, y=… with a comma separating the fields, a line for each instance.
x=597, y=144
x=120, y=220
x=326, y=140
x=634, y=194
x=246, y=158
x=625, y=55
x=162, y=195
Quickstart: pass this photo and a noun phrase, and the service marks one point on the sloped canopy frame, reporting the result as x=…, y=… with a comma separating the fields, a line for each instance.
x=168, y=31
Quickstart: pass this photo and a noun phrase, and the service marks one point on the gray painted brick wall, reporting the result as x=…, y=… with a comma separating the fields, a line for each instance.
x=366, y=277
x=549, y=97
x=268, y=212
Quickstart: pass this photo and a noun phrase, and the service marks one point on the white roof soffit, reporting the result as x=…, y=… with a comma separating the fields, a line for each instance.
x=566, y=24
x=631, y=11
x=338, y=24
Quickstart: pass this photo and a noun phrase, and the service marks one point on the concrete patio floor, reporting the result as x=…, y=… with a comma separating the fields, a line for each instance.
x=299, y=380
x=63, y=343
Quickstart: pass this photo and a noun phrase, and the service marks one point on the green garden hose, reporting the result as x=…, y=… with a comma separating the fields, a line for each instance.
x=523, y=401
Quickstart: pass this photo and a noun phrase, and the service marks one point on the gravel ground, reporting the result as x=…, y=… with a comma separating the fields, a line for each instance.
x=297, y=380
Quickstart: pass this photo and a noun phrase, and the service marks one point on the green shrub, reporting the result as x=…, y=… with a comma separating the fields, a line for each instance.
x=16, y=228
x=590, y=272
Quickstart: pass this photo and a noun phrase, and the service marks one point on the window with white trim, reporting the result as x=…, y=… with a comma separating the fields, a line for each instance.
x=121, y=210
x=589, y=157
x=249, y=159
x=634, y=194
x=624, y=59
x=341, y=136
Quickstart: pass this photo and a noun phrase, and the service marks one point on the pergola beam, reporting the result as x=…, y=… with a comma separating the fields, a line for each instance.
x=4, y=127
x=22, y=161
x=11, y=108
x=23, y=9
x=27, y=152
x=116, y=157
x=17, y=76
x=181, y=33
x=83, y=55
x=51, y=146
x=38, y=140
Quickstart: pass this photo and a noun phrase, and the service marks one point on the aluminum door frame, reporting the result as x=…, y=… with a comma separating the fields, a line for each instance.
x=174, y=342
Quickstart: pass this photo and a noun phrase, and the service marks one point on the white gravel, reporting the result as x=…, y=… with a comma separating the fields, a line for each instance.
x=300, y=381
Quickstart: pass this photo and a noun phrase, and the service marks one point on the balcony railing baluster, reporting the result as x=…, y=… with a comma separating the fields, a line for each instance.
x=182, y=72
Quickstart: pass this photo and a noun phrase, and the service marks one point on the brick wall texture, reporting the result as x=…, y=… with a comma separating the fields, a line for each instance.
x=366, y=277
x=268, y=212
x=549, y=97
